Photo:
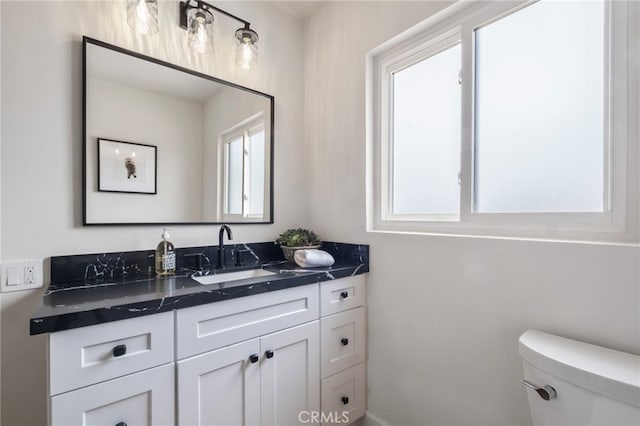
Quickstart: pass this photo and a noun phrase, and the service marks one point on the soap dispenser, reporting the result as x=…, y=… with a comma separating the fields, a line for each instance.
x=165, y=256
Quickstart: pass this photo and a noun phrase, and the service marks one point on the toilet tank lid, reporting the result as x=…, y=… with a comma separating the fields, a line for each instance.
x=611, y=373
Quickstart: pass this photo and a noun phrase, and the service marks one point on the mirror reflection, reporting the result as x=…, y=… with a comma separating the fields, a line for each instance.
x=166, y=145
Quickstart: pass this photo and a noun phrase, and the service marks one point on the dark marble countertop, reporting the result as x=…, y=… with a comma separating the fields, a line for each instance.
x=72, y=304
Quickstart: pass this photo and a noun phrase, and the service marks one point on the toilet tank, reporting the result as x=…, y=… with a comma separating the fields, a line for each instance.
x=593, y=385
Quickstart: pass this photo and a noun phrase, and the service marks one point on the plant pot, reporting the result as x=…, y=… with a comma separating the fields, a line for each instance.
x=289, y=251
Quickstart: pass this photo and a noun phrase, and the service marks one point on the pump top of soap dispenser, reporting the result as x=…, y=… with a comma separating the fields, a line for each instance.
x=165, y=234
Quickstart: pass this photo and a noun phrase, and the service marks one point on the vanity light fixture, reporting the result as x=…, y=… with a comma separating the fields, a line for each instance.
x=196, y=17
x=200, y=29
x=246, y=49
x=142, y=15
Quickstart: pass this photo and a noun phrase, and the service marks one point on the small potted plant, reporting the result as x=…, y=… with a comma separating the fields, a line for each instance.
x=297, y=239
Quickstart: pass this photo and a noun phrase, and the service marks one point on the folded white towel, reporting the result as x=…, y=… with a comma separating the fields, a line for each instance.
x=311, y=258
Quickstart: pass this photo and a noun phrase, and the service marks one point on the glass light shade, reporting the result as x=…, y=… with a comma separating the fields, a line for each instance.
x=142, y=16
x=200, y=30
x=247, y=48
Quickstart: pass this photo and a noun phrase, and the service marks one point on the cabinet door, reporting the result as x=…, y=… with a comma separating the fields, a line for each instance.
x=87, y=355
x=220, y=387
x=342, y=294
x=343, y=341
x=290, y=375
x=344, y=396
x=140, y=399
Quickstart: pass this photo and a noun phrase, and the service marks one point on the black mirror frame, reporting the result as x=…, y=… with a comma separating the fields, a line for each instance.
x=88, y=40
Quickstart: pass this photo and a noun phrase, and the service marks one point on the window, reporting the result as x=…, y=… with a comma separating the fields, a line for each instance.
x=244, y=173
x=508, y=121
x=426, y=135
x=539, y=116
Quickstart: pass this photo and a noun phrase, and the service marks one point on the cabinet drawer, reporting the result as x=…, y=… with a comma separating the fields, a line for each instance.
x=140, y=399
x=343, y=341
x=344, y=395
x=342, y=294
x=88, y=355
x=207, y=327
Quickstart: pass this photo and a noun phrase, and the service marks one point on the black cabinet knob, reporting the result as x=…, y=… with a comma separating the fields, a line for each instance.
x=269, y=354
x=344, y=295
x=119, y=351
x=254, y=358
x=121, y=424
x=345, y=400
x=344, y=341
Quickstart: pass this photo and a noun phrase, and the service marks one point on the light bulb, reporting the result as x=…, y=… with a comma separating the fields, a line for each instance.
x=200, y=41
x=200, y=28
x=142, y=16
x=246, y=50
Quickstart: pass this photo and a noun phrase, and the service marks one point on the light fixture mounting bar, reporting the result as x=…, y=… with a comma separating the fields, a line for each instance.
x=186, y=5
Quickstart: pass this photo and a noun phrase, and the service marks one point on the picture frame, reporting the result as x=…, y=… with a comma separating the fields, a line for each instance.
x=127, y=167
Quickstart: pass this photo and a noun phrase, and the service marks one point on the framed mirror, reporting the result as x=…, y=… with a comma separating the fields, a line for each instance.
x=168, y=145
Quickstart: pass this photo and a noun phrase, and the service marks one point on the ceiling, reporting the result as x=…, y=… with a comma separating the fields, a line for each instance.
x=113, y=66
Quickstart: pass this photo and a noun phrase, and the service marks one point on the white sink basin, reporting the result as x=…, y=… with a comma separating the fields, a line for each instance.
x=233, y=276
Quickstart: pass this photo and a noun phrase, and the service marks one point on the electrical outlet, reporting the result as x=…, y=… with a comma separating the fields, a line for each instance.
x=29, y=274
x=20, y=275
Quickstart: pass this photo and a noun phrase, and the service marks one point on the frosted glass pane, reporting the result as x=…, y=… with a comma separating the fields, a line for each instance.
x=256, y=167
x=234, y=177
x=539, y=110
x=426, y=136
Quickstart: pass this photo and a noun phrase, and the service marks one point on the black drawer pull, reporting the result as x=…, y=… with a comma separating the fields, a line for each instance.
x=121, y=424
x=344, y=295
x=254, y=358
x=119, y=351
x=269, y=354
x=345, y=400
x=344, y=341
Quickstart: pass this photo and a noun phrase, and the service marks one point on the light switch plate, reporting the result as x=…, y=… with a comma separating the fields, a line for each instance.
x=18, y=275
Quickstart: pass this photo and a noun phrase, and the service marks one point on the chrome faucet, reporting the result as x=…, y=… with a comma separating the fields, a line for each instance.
x=221, y=244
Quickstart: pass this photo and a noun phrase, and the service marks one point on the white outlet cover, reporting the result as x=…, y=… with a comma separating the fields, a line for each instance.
x=19, y=267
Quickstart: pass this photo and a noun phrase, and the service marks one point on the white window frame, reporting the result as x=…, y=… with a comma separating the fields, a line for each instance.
x=618, y=223
x=242, y=131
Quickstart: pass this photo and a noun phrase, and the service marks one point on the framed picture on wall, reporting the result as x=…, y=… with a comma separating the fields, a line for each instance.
x=127, y=167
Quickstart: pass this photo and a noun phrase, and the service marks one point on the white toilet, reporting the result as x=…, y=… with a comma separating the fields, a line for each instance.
x=574, y=383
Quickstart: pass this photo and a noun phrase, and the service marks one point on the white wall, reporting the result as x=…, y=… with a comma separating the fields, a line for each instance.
x=444, y=313
x=175, y=126
x=42, y=138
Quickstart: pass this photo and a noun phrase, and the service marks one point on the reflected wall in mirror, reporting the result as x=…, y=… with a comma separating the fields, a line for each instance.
x=214, y=142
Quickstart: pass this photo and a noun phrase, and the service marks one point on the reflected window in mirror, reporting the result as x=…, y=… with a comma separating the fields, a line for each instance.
x=244, y=172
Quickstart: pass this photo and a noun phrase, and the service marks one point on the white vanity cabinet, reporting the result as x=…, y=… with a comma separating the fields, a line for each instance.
x=269, y=359
x=267, y=379
x=118, y=374
x=290, y=380
x=144, y=398
x=343, y=353
x=221, y=387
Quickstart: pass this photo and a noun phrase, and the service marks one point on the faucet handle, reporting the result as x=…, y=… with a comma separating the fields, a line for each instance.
x=197, y=263
x=240, y=256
